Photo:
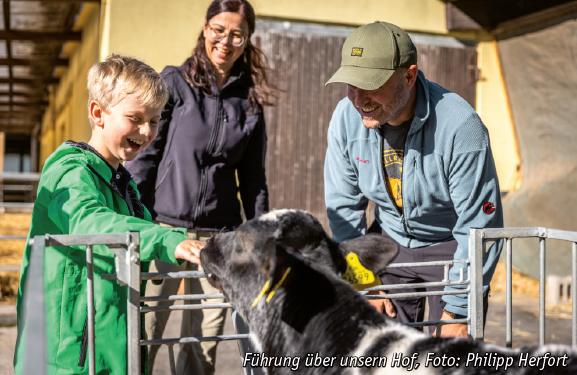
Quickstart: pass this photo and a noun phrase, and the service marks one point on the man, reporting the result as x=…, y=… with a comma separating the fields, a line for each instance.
x=422, y=154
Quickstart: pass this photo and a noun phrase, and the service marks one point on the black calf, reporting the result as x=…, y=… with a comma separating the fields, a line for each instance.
x=284, y=276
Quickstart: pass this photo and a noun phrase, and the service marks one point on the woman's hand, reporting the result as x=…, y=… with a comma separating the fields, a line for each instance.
x=189, y=250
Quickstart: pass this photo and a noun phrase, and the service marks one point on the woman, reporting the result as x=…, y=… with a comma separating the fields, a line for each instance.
x=212, y=127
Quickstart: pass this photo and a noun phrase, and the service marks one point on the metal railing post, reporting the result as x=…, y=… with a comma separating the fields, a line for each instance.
x=476, y=283
x=133, y=305
x=509, y=294
x=90, y=323
x=35, y=306
x=574, y=294
x=542, y=287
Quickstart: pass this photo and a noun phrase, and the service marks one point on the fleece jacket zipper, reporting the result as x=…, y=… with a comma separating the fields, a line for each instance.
x=399, y=210
x=215, y=128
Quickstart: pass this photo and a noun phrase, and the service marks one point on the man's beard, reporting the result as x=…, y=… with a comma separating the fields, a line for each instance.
x=392, y=111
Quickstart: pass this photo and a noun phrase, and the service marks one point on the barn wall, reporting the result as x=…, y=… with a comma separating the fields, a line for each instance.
x=540, y=70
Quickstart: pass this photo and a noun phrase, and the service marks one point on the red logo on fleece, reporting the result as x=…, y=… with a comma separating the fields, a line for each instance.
x=362, y=161
x=488, y=208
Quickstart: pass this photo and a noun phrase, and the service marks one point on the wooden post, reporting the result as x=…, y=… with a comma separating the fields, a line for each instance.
x=2, y=149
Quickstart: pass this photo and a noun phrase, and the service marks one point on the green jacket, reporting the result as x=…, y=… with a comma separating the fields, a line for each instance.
x=75, y=197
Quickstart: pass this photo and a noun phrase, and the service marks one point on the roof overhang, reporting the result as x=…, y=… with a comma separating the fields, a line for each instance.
x=489, y=14
x=32, y=37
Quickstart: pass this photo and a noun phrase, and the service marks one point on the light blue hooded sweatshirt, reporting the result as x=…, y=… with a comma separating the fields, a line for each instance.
x=449, y=180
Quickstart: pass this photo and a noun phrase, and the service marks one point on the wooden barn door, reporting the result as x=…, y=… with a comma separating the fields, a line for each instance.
x=297, y=126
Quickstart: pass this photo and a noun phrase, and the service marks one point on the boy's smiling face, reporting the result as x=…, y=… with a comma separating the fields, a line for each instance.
x=122, y=132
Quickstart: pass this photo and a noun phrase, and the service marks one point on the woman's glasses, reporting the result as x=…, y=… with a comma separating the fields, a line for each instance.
x=219, y=34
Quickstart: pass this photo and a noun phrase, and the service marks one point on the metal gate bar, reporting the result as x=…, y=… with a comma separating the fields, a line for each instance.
x=127, y=259
x=490, y=234
x=126, y=249
x=475, y=271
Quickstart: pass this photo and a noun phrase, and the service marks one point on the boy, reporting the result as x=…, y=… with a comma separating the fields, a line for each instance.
x=85, y=190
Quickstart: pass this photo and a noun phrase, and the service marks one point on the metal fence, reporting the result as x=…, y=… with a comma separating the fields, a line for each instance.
x=126, y=248
x=477, y=241
x=126, y=251
x=28, y=184
x=9, y=267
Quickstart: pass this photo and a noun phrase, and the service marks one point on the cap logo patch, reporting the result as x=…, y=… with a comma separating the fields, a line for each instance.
x=357, y=51
x=488, y=208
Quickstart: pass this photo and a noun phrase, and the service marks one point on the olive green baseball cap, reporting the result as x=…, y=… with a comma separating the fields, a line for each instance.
x=372, y=53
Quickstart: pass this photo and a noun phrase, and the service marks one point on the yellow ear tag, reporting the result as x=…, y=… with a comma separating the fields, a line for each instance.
x=265, y=288
x=357, y=275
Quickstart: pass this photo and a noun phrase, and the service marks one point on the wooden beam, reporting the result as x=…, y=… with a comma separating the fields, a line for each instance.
x=32, y=115
x=24, y=94
x=29, y=62
x=64, y=1
x=39, y=35
x=6, y=11
x=30, y=81
x=17, y=129
x=25, y=104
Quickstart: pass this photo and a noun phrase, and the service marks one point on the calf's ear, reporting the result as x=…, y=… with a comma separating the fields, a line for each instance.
x=374, y=251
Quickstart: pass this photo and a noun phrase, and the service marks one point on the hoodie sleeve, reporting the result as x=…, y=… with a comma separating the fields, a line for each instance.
x=345, y=203
x=475, y=193
x=76, y=206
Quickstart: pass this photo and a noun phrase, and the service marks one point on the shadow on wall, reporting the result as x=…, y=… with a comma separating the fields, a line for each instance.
x=541, y=77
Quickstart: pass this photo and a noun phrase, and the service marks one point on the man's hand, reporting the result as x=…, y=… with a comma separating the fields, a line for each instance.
x=451, y=330
x=189, y=250
x=382, y=305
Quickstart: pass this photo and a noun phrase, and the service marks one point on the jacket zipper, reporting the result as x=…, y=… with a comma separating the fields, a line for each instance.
x=84, y=346
x=222, y=130
x=399, y=210
x=405, y=226
x=163, y=176
x=200, y=194
x=129, y=204
x=215, y=127
x=209, y=150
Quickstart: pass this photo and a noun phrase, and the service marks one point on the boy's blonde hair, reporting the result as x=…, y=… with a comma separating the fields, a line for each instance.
x=118, y=76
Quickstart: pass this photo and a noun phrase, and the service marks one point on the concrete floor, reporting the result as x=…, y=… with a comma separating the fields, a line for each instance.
x=525, y=333
x=227, y=354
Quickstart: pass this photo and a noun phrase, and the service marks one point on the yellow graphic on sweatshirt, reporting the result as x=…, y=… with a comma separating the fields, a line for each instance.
x=393, y=162
x=394, y=186
x=391, y=157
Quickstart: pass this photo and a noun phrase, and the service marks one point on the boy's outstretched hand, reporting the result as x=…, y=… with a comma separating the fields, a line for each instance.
x=189, y=250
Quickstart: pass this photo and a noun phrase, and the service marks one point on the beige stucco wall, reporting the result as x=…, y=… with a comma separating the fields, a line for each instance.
x=160, y=32
x=412, y=15
x=164, y=32
x=492, y=106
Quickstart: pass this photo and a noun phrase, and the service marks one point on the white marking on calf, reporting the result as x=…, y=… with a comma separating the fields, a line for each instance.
x=554, y=349
x=373, y=334
x=255, y=341
x=275, y=214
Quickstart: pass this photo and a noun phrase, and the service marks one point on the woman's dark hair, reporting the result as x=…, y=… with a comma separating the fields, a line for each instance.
x=198, y=71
